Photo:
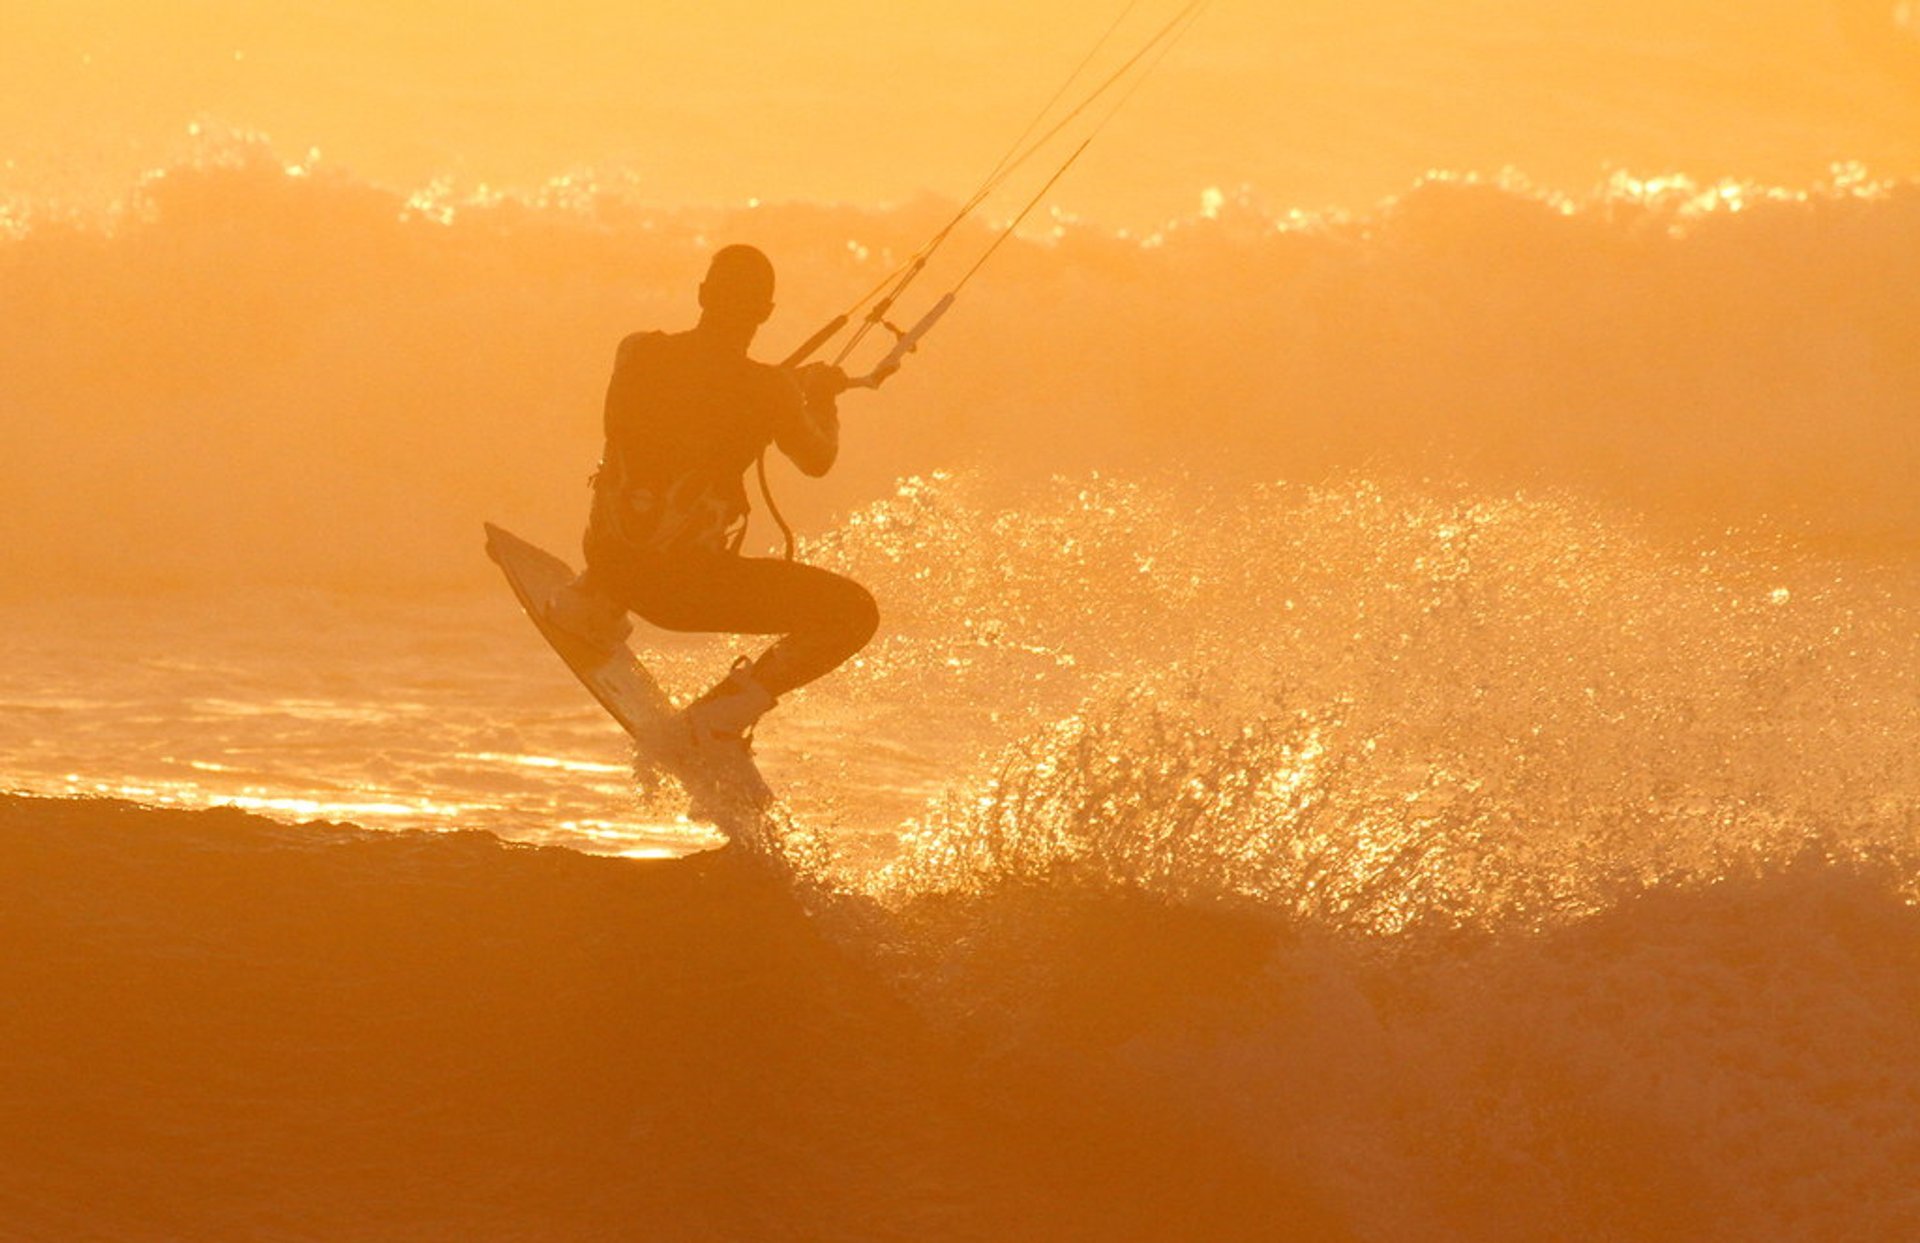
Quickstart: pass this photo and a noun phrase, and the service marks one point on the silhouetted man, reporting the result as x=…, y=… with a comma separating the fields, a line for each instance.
x=686, y=414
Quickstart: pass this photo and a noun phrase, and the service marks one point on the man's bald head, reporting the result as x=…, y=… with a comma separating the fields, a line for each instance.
x=739, y=286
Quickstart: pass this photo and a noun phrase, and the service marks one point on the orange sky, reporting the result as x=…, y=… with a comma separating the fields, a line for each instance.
x=1315, y=102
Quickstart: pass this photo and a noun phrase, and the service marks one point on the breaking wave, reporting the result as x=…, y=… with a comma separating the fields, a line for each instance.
x=1490, y=865
x=1384, y=705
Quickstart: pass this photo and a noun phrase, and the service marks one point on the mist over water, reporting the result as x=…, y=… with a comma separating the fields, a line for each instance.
x=272, y=372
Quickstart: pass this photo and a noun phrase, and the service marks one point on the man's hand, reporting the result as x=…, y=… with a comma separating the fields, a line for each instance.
x=811, y=434
x=821, y=382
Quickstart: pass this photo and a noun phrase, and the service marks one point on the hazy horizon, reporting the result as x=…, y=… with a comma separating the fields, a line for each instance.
x=1314, y=104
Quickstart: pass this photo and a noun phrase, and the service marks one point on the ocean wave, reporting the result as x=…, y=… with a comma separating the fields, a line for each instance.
x=470, y=1037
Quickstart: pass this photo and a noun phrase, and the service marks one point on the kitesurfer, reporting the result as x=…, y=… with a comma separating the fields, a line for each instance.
x=686, y=414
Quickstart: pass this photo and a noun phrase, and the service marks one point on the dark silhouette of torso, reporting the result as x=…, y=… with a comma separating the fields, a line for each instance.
x=683, y=411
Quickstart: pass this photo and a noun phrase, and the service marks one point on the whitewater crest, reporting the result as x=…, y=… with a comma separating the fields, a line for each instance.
x=1377, y=707
x=616, y=194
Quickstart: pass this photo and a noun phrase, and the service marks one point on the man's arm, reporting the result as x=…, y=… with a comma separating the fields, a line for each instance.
x=807, y=427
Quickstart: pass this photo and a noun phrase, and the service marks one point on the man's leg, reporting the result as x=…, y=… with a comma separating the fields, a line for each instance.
x=822, y=617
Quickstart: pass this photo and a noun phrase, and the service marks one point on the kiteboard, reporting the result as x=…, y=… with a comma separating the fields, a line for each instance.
x=723, y=784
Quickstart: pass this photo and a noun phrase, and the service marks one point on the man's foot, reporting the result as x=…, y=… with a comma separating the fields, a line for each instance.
x=725, y=715
x=584, y=614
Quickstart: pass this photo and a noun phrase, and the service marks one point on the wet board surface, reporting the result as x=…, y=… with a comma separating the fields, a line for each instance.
x=726, y=789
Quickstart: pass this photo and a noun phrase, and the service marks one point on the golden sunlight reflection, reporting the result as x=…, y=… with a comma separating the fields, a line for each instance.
x=185, y=794
x=550, y=762
x=641, y=838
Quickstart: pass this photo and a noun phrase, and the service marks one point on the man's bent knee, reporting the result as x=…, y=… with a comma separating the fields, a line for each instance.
x=860, y=616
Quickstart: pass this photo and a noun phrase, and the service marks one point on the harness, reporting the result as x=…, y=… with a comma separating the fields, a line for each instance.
x=693, y=511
